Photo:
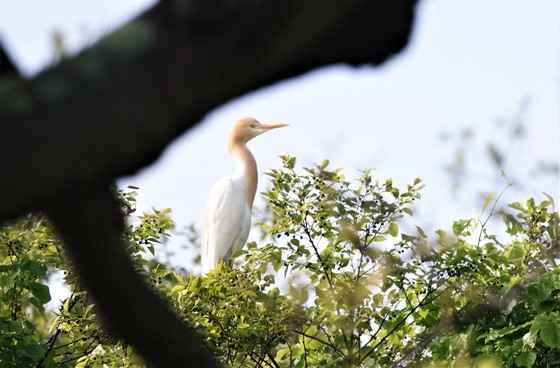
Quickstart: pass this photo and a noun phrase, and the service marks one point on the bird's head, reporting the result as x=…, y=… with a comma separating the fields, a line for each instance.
x=247, y=129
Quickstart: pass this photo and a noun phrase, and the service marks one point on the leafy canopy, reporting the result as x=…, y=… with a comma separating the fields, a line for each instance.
x=341, y=278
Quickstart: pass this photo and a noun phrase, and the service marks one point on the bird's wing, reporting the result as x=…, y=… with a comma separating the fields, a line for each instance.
x=227, y=220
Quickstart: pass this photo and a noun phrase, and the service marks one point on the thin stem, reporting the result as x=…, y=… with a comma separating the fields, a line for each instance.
x=403, y=320
x=492, y=209
x=327, y=343
x=304, y=352
x=14, y=303
x=274, y=363
x=86, y=351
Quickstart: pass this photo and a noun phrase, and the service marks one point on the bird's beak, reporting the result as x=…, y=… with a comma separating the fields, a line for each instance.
x=266, y=127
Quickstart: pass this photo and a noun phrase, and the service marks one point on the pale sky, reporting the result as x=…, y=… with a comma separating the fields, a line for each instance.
x=470, y=64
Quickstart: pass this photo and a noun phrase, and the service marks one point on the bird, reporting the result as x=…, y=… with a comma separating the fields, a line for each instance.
x=227, y=215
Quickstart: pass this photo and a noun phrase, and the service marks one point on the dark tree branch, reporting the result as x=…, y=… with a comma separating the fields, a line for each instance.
x=7, y=67
x=91, y=226
x=113, y=109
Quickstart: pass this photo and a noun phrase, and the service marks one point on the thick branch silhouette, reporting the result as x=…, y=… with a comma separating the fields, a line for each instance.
x=91, y=227
x=113, y=109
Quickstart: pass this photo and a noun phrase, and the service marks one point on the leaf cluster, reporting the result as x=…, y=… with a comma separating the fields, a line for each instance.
x=33, y=333
x=345, y=280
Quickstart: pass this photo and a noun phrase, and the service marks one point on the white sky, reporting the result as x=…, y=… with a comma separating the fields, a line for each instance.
x=469, y=64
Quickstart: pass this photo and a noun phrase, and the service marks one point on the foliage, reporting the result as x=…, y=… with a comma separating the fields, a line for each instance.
x=69, y=336
x=511, y=311
x=334, y=234
x=243, y=316
x=345, y=280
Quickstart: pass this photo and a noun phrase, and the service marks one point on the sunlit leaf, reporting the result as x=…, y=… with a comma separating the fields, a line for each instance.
x=393, y=229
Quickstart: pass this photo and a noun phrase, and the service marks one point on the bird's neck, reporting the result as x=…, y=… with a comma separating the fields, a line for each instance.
x=246, y=170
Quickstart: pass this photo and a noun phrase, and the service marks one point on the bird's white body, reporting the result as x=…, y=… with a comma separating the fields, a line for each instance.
x=227, y=218
x=228, y=221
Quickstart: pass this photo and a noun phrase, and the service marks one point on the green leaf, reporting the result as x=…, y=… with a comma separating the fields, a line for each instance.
x=324, y=164
x=421, y=232
x=37, y=304
x=388, y=184
x=539, y=322
x=525, y=359
x=34, y=350
x=536, y=294
x=393, y=229
x=291, y=162
x=36, y=269
x=550, y=199
x=13, y=327
x=495, y=335
x=40, y=291
x=513, y=226
x=237, y=253
x=518, y=206
x=487, y=201
x=408, y=211
x=515, y=252
x=546, y=306
x=460, y=226
x=550, y=335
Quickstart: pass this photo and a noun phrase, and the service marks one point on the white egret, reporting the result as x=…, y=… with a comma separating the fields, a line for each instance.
x=227, y=217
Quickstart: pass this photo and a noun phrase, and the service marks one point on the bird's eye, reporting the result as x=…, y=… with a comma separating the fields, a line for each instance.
x=252, y=125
